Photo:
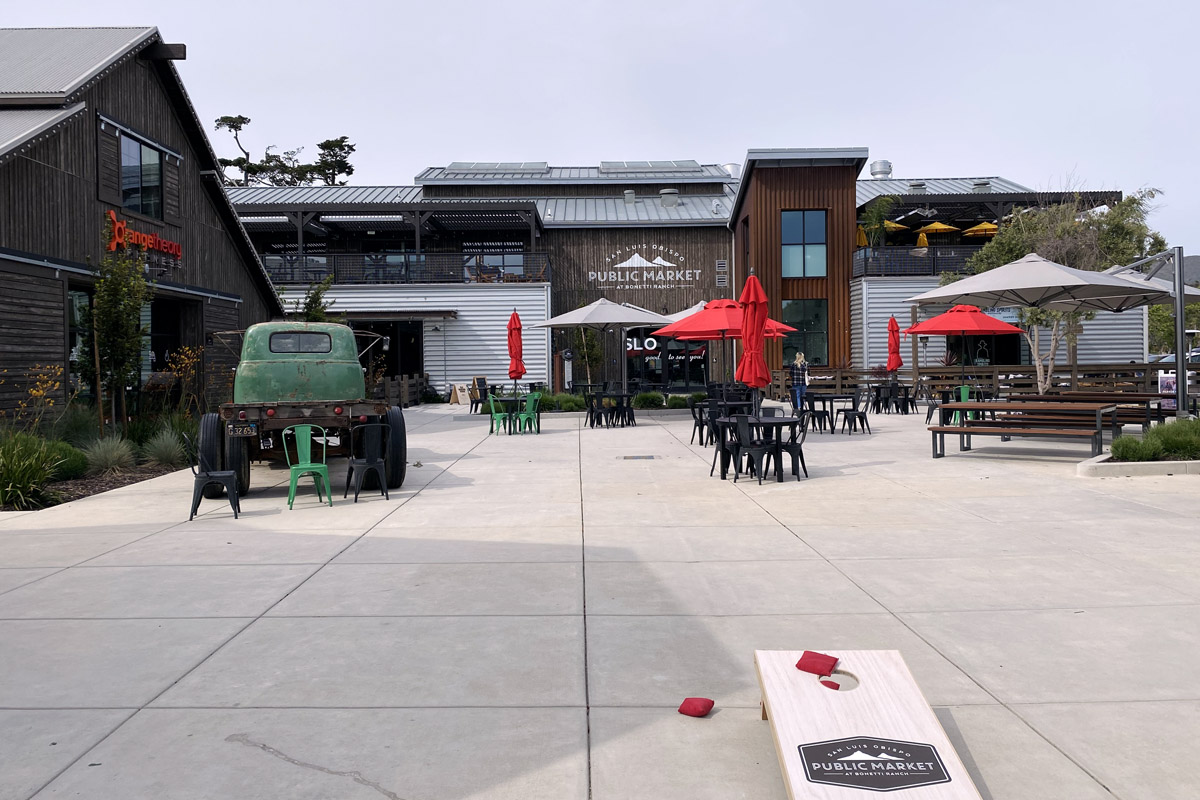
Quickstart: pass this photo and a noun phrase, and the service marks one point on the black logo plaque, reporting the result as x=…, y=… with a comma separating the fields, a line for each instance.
x=873, y=765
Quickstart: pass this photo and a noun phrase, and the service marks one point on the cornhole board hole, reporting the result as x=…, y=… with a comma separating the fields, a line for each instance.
x=874, y=734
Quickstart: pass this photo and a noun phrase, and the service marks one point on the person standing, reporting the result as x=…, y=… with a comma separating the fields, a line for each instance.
x=798, y=374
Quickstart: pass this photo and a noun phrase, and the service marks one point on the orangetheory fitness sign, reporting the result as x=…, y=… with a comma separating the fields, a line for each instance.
x=122, y=236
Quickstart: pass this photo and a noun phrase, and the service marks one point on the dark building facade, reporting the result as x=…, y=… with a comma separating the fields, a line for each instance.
x=102, y=150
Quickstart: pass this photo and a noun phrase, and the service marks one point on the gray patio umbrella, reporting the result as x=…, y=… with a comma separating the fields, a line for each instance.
x=1036, y=282
x=605, y=315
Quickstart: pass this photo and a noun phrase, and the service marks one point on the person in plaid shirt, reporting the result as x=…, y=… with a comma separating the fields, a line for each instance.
x=798, y=374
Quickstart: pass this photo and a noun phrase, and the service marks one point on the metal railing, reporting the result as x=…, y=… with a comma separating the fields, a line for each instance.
x=383, y=268
x=898, y=261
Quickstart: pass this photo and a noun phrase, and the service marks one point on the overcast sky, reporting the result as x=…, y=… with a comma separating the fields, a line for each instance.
x=1052, y=94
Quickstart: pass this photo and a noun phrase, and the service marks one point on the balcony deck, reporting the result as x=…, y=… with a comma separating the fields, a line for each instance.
x=912, y=261
x=389, y=268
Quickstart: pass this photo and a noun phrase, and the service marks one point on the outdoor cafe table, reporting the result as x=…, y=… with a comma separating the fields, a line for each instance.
x=827, y=401
x=1038, y=409
x=768, y=425
x=1150, y=405
x=625, y=399
x=510, y=406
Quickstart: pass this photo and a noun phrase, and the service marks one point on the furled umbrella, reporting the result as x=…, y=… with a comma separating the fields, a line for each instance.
x=516, y=367
x=961, y=320
x=752, y=367
x=894, y=361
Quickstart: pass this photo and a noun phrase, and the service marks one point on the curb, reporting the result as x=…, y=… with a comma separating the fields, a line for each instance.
x=1103, y=466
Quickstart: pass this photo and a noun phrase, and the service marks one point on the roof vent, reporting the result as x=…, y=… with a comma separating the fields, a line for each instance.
x=733, y=169
x=629, y=196
x=716, y=207
x=881, y=169
x=981, y=185
x=916, y=187
x=670, y=197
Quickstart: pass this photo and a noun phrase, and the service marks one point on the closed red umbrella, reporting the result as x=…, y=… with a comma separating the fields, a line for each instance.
x=752, y=368
x=516, y=367
x=894, y=361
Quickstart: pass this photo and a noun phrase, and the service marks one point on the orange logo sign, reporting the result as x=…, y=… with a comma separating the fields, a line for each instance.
x=123, y=237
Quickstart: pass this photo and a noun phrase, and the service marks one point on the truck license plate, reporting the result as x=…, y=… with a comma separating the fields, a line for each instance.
x=242, y=428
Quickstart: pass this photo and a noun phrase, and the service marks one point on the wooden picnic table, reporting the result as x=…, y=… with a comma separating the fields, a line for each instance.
x=1025, y=418
x=1149, y=405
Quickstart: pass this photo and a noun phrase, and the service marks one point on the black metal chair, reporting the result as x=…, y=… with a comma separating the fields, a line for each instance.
x=817, y=416
x=768, y=411
x=856, y=415
x=755, y=450
x=204, y=475
x=368, y=455
x=794, y=446
x=698, y=423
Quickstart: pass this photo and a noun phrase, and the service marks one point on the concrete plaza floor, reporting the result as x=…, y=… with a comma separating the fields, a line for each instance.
x=523, y=617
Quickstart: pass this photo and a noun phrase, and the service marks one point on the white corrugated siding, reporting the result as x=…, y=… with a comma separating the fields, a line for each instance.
x=857, y=289
x=1109, y=338
x=476, y=340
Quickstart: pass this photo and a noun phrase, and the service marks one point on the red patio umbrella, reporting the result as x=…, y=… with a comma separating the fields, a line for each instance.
x=752, y=368
x=719, y=319
x=962, y=321
x=894, y=361
x=516, y=367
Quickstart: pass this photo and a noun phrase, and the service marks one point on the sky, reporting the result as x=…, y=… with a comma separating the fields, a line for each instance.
x=1055, y=94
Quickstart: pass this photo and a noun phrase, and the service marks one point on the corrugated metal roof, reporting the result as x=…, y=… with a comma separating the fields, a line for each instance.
x=19, y=125
x=51, y=63
x=645, y=210
x=246, y=197
x=610, y=173
x=870, y=188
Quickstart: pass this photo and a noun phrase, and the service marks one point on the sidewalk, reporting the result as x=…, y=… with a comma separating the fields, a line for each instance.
x=523, y=617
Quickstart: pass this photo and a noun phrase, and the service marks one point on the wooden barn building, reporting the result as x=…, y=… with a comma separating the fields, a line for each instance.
x=97, y=135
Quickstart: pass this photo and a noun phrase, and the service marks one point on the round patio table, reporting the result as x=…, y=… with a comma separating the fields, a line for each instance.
x=772, y=426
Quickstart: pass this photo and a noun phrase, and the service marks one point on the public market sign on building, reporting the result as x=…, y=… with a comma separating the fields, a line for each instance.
x=629, y=269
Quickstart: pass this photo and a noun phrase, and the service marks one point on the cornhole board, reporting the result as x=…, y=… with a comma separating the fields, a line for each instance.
x=880, y=736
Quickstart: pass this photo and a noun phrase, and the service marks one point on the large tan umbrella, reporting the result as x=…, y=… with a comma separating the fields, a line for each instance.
x=888, y=225
x=982, y=229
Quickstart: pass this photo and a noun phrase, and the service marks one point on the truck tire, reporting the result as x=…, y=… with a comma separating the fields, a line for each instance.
x=212, y=439
x=237, y=458
x=397, y=450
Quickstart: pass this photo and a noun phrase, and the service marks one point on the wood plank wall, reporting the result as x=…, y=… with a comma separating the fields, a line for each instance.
x=776, y=189
x=33, y=329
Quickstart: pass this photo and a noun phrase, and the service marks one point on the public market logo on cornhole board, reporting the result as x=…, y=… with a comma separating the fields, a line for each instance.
x=873, y=765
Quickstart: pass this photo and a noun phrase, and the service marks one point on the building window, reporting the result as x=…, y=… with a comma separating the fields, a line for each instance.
x=803, y=244
x=141, y=177
x=810, y=318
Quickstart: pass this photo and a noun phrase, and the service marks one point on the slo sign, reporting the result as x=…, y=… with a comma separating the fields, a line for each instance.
x=877, y=765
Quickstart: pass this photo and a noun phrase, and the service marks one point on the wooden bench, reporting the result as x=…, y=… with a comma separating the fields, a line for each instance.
x=878, y=736
x=965, y=432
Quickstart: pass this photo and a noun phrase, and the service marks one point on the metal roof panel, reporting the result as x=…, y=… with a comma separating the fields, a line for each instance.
x=48, y=64
x=19, y=125
x=868, y=189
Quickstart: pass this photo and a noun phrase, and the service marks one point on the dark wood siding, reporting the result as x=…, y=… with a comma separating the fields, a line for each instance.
x=32, y=328
x=219, y=360
x=773, y=190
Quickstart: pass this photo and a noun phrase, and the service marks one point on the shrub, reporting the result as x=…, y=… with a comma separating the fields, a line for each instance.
x=676, y=401
x=182, y=422
x=648, y=400
x=164, y=449
x=77, y=425
x=72, y=463
x=699, y=397
x=570, y=402
x=110, y=455
x=548, y=402
x=1129, y=448
x=1180, y=440
x=26, y=467
x=140, y=429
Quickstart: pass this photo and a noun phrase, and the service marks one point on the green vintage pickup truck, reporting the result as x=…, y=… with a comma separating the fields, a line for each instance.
x=297, y=373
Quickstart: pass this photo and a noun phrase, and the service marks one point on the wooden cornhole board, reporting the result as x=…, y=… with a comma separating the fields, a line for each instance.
x=880, y=737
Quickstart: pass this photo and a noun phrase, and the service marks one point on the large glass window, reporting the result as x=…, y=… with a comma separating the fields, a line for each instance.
x=803, y=244
x=141, y=177
x=810, y=318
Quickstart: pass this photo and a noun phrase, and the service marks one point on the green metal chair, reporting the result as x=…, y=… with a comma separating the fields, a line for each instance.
x=303, y=434
x=529, y=417
x=499, y=417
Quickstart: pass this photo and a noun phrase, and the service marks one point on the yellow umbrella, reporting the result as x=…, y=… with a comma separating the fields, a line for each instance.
x=860, y=238
x=982, y=229
x=922, y=241
x=888, y=225
x=937, y=227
